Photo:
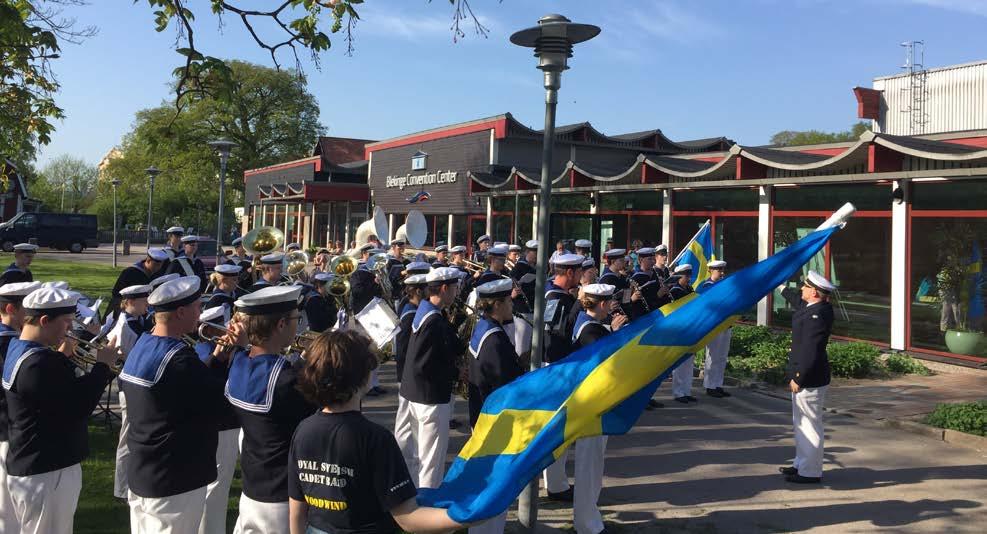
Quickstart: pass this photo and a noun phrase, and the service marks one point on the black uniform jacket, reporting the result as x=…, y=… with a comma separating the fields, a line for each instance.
x=6, y=335
x=493, y=363
x=430, y=361
x=363, y=289
x=489, y=276
x=14, y=274
x=321, y=312
x=616, y=280
x=48, y=407
x=407, y=315
x=131, y=276
x=586, y=331
x=559, y=341
x=808, y=364
x=195, y=268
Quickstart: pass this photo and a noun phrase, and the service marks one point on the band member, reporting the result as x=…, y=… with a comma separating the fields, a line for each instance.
x=584, y=247
x=661, y=263
x=320, y=307
x=568, y=270
x=497, y=269
x=173, y=245
x=415, y=291
x=526, y=266
x=11, y=321
x=48, y=408
x=590, y=273
x=138, y=274
x=19, y=270
x=653, y=293
x=458, y=261
x=589, y=328
x=292, y=247
x=429, y=373
x=262, y=389
x=186, y=264
x=441, y=256
x=174, y=403
x=224, y=279
x=808, y=376
x=322, y=260
x=719, y=347
x=270, y=271
x=413, y=268
x=395, y=262
x=614, y=270
x=514, y=253
x=127, y=328
x=363, y=283
x=374, y=492
x=682, y=375
x=482, y=245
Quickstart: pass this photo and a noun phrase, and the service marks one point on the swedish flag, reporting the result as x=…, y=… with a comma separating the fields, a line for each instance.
x=698, y=253
x=599, y=389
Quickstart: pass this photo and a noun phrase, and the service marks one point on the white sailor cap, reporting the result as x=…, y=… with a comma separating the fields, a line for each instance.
x=164, y=278
x=482, y=238
x=717, y=264
x=136, y=292
x=175, y=230
x=584, y=243
x=418, y=267
x=442, y=248
x=365, y=247
x=322, y=278
x=442, y=275
x=226, y=269
x=416, y=280
x=615, y=253
x=599, y=290
x=531, y=244
x=190, y=239
x=237, y=241
x=515, y=248
x=498, y=250
x=645, y=252
x=684, y=268
x=272, y=259
x=377, y=251
x=57, y=284
x=495, y=289
x=210, y=315
x=269, y=300
x=662, y=250
x=588, y=263
x=397, y=242
x=570, y=260
x=458, y=249
x=51, y=301
x=176, y=293
x=157, y=254
x=293, y=246
x=16, y=291
x=25, y=247
x=819, y=282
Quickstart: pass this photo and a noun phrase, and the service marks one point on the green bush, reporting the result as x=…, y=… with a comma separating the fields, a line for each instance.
x=906, y=365
x=853, y=360
x=767, y=361
x=969, y=417
x=745, y=337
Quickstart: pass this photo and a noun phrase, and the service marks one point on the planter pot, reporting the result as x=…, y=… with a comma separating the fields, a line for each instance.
x=967, y=343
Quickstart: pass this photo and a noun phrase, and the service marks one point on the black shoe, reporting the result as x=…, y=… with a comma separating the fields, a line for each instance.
x=715, y=393
x=690, y=398
x=562, y=496
x=723, y=393
x=799, y=479
x=683, y=400
x=453, y=424
x=379, y=390
x=788, y=471
x=372, y=393
x=652, y=403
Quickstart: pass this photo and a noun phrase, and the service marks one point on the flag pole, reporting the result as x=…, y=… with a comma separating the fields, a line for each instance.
x=686, y=247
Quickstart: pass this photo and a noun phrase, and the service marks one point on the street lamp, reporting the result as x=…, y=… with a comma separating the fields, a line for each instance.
x=151, y=171
x=115, y=183
x=224, y=147
x=552, y=40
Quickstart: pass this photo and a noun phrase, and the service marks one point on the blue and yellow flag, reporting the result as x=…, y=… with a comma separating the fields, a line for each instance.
x=698, y=252
x=600, y=389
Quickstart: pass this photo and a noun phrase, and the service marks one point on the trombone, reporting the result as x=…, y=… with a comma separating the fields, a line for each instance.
x=474, y=268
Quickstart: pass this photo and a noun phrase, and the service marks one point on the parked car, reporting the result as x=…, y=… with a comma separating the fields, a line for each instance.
x=207, y=253
x=74, y=232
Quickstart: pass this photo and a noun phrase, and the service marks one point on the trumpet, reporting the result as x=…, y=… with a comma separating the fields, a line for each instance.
x=473, y=268
x=303, y=341
x=86, y=353
x=217, y=339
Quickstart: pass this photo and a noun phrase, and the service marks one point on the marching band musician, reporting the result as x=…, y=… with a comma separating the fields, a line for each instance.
x=590, y=273
x=290, y=247
x=661, y=263
x=682, y=375
x=497, y=269
x=140, y=273
x=514, y=253
x=173, y=236
x=482, y=245
x=415, y=290
x=429, y=373
x=494, y=362
x=262, y=390
x=186, y=263
x=174, y=403
x=270, y=271
x=458, y=258
x=127, y=328
x=719, y=347
x=19, y=270
x=568, y=269
x=441, y=253
x=225, y=279
x=589, y=328
x=363, y=283
x=320, y=307
x=373, y=491
x=11, y=321
x=48, y=408
x=584, y=247
x=413, y=268
x=653, y=293
x=522, y=267
x=615, y=261
x=395, y=263
x=241, y=258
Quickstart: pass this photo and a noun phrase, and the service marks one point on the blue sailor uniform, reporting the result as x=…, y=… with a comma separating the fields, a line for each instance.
x=493, y=363
x=14, y=274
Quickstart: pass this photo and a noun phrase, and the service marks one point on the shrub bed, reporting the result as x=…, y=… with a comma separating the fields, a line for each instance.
x=969, y=417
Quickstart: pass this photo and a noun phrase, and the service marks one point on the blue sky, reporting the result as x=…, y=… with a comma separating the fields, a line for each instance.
x=740, y=68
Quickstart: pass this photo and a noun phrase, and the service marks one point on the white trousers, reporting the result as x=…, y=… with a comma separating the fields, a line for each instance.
x=716, y=359
x=432, y=436
x=374, y=380
x=262, y=517
x=218, y=491
x=494, y=525
x=590, y=452
x=404, y=433
x=174, y=514
x=45, y=503
x=556, y=480
x=8, y=519
x=120, y=486
x=807, y=420
x=682, y=377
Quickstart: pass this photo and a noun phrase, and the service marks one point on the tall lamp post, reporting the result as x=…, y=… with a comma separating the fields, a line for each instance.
x=552, y=40
x=115, y=183
x=224, y=147
x=151, y=171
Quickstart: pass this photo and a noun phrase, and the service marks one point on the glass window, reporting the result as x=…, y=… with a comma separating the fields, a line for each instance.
x=645, y=228
x=948, y=287
x=569, y=228
x=525, y=218
x=715, y=200
x=613, y=228
x=640, y=201
x=867, y=197
x=459, y=230
x=683, y=228
x=578, y=202
x=736, y=241
x=958, y=195
x=27, y=220
x=441, y=232
x=501, y=227
x=503, y=203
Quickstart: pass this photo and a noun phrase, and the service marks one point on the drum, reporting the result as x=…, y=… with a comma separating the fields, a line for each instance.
x=379, y=322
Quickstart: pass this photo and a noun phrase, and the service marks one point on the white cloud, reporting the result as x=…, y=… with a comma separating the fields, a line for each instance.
x=426, y=21
x=672, y=21
x=974, y=7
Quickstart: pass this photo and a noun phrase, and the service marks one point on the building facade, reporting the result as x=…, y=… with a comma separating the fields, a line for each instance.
x=14, y=197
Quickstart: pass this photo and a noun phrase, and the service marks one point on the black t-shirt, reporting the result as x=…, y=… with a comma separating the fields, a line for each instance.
x=349, y=471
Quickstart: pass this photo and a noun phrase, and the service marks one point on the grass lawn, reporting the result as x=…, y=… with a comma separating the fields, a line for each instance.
x=91, y=279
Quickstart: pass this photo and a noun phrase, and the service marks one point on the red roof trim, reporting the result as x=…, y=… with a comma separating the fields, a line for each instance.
x=317, y=160
x=499, y=126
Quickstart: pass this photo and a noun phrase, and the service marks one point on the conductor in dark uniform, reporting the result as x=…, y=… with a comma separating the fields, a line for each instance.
x=808, y=377
x=139, y=274
x=20, y=271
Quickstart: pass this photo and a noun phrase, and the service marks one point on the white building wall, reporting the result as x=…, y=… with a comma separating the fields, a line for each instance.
x=955, y=100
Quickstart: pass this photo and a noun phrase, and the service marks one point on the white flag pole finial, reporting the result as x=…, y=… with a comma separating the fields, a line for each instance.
x=839, y=217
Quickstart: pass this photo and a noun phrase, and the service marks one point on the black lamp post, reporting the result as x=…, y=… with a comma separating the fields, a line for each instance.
x=552, y=40
x=224, y=147
x=152, y=172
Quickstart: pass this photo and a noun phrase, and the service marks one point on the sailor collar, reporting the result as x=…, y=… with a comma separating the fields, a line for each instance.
x=582, y=320
x=484, y=329
x=147, y=361
x=17, y=353
x=252, y=381
x=425, y=310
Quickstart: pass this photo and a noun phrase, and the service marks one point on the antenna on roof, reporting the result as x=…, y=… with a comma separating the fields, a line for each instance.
x=917, y=93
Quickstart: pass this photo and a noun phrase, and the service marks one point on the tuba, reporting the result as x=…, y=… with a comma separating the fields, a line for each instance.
x=375, y=226
x=342, y=267
x=294, y=264
x=260, y=241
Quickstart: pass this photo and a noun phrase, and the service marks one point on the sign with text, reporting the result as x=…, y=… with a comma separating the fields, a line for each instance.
x=412, y=180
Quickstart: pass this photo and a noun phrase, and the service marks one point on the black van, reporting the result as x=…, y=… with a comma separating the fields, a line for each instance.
x=70, y=231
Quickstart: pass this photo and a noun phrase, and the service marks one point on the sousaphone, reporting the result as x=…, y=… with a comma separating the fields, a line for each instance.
x=414, y=231
x=375, y=226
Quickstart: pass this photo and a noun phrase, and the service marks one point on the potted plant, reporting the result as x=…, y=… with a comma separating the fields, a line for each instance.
x=956, y=285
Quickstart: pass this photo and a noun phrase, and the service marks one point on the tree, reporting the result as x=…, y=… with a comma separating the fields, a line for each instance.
x=814, y=137
x=66, y=184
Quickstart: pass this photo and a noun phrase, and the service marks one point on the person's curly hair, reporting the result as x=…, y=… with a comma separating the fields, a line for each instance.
x=337, y=364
